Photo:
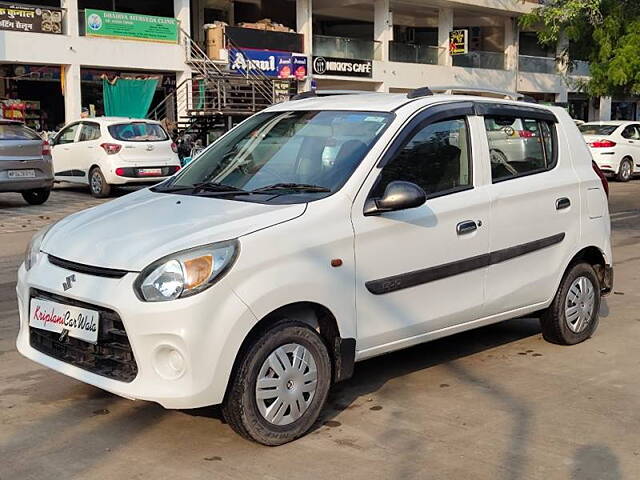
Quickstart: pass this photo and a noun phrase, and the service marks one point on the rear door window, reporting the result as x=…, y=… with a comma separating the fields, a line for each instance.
x=138, y=132
x=519, y=146
x=15, y=131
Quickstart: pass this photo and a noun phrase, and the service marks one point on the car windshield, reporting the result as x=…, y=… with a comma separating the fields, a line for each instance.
x=597, y=129
x=285, y=153
x=138, y=132
x=15, y=131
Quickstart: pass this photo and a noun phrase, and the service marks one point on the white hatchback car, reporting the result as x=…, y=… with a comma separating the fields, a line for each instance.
x=615, y=146
x=316, y=234
x=105, y=151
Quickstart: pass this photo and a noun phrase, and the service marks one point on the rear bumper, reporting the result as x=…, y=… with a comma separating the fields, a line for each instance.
x=23, y=184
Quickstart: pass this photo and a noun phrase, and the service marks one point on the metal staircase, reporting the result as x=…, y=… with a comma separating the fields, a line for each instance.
x=212, y=95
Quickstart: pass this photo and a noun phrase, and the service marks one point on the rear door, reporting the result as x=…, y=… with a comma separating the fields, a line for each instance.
x=62, y=152
x=143, y=143
x=535, y=210
x=631, y=137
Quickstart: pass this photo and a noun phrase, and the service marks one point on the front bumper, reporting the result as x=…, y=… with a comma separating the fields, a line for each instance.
x=201, y=329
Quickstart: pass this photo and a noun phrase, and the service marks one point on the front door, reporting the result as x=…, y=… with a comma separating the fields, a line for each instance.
x=62, y=152
x=421, y=270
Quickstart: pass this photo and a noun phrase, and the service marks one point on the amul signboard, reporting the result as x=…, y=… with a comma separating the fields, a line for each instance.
x=459, y=42
x=24, y=18
x=271, y=63
x=131, y=26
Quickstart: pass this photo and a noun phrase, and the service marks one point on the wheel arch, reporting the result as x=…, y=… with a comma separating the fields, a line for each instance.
x=319, y=318
x=595, y=257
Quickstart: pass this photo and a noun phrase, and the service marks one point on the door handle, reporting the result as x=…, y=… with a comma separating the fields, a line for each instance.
x=563, y=203
x=465, y=227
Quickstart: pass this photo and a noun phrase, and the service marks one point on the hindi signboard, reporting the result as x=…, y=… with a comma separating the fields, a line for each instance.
x=131, y=26
x=25, y=18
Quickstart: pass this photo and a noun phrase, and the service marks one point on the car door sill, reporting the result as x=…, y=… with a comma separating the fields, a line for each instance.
x=444, y=332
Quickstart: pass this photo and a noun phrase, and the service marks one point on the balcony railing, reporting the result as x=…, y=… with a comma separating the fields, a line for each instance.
x=479, y=59
x=579, y=68
x=527, y=63
x=344, y=47
x=412, y=53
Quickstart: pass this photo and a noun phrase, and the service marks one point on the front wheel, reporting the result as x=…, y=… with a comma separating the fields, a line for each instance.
x=572, y=317
x=280, y=385
x=98, y=184
x=625, y=171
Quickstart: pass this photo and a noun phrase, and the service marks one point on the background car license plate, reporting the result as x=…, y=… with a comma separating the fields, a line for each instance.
x=22, y=173
x=149, y=172
x=56, y=317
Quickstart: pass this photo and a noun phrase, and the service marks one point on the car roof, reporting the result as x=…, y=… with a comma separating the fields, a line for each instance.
x=610, y=122
x=386, y=102
x=112, y=120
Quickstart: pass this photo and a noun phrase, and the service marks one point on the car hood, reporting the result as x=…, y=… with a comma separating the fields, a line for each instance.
x=131, y=232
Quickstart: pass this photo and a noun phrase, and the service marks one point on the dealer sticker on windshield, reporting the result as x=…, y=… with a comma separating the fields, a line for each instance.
x=80, y=323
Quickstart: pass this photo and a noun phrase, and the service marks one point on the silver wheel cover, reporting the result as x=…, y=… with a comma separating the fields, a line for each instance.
x=579, y=304
x=286, y=384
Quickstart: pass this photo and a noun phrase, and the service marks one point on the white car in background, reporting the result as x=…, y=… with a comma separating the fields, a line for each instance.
x=106, y=151
x=615, y=147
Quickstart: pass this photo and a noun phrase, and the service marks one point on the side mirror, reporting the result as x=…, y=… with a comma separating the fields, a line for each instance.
x=397, y=196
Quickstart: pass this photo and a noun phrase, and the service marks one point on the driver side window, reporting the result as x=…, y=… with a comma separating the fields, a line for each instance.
x=436, y=157
x=67, y=135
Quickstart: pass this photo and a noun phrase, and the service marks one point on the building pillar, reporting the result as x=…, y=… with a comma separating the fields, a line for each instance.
x=562, y=96
x=605, y=109
x=182, y=12
x=304, y=22
x=70, y=20
x=72, y=92
x=445, y=25
x=562, y=55
x=592, y=115
x=511, y=41
x=382, y=27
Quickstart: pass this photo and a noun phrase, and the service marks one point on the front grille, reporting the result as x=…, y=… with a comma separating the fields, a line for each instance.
x=88, y=269
x=111, y=357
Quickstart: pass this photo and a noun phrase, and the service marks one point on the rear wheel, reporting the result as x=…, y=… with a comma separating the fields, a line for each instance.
x=37, y=196
x=625, y=171
x=572, y=317
x=280, y=386
x=98, y=184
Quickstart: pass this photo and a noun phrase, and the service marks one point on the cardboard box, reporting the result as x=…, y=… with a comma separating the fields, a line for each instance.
x=215, y=41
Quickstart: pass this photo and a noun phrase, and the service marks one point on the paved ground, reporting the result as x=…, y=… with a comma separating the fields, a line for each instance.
x=495, y=403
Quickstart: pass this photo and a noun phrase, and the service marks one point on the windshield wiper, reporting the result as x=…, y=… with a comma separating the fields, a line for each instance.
x=295, y=187
x=218, y=188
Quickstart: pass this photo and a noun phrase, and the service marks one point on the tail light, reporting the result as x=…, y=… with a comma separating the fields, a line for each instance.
x=46, y=148
x=174, y=147
x=526, y=134
x=120, y=172
x=111, y=148
x=603, y=179
x=602, y=144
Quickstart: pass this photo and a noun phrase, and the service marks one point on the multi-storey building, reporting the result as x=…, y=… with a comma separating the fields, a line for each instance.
x=53, y=56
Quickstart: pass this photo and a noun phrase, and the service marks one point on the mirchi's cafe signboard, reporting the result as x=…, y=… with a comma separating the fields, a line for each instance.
x=25, y=18
x=131, y=26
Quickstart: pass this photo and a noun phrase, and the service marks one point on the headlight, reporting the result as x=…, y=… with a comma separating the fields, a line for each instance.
x=186, y=273
x=33, y=249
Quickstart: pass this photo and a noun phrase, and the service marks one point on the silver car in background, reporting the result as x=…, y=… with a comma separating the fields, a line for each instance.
x=25, y=162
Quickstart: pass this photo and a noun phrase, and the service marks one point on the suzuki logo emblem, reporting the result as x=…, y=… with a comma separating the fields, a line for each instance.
x=68, y=283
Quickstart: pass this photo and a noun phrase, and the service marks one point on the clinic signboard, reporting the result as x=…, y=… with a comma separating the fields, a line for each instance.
x=342, y=67
x=271, y=63
x=25, y=18
x=131, y=26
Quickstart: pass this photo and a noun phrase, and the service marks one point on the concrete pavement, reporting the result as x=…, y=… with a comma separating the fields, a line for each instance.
x=494, y=403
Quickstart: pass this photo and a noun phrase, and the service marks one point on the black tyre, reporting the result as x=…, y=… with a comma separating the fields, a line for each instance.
x=37, y=196
x=625, y=171
x=98, y=184
x=280, y=385
x=572, y=317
